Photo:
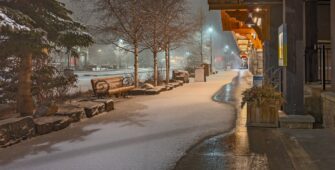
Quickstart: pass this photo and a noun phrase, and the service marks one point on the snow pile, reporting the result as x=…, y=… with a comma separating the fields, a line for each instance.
x=5, y=21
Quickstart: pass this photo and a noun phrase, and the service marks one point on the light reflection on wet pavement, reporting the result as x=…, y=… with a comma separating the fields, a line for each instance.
x=230, y=150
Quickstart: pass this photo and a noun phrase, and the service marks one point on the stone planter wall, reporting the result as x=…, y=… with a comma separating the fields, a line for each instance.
x=328, y=108
x=156, y=90
x=16, y=129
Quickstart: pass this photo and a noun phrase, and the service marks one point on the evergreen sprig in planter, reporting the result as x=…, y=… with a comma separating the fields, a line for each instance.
x=263, y=104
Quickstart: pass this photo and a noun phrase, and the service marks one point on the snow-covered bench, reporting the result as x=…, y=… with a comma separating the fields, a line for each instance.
x=181, y=75
x=110, y=86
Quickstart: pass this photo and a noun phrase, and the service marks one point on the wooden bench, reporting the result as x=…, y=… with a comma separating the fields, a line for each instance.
x=110, y=86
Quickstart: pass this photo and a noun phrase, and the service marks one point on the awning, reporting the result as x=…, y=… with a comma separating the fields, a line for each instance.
x=234, y=14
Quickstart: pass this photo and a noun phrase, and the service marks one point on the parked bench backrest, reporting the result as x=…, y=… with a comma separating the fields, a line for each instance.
x=180, y=73
x=111, y=82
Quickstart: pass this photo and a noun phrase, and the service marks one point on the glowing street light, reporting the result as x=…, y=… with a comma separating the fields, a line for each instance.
x=249, y=22
x=226, y=47
x=210, y=30
x=99, y=50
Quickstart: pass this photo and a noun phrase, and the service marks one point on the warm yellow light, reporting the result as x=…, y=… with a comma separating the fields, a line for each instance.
x=259, y=22
x=255, y=19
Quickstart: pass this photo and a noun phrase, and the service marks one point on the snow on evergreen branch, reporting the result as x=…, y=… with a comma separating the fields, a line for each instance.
x=77, y=33
x=6, y=22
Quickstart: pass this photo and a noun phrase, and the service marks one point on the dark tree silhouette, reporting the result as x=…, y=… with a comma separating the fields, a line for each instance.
x=32, y=28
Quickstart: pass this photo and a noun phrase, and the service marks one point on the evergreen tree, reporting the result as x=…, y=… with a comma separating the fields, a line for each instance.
x=32, y=28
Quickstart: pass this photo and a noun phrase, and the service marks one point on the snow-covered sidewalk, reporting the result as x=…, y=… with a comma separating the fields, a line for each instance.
x=143, y=133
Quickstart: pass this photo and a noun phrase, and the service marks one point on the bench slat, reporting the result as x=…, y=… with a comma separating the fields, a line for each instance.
x=110, y=85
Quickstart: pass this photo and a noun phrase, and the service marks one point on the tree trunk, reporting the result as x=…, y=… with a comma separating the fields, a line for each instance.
x=169, y=62
x=201, y=47
x=155, y=68
x=25, y=105
x=167, y=65
x=69, y=60
x=136, y=65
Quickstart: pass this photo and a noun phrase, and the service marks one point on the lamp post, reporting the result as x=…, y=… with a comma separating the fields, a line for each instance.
x=231, y=59
x=210, y=30
x=120, y=45
x=226, y=58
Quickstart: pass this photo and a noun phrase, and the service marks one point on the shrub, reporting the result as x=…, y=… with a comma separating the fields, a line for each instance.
x=266, y=94
x=49, y=84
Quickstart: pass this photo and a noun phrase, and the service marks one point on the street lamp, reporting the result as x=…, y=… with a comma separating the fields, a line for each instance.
x=120, y=51
x=250, y=22
x=226, y=48
x=210, y=30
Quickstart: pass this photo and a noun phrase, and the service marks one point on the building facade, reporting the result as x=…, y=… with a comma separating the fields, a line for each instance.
x=296, y=38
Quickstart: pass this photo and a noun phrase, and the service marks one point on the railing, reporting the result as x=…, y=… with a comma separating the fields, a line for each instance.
x=324, y=63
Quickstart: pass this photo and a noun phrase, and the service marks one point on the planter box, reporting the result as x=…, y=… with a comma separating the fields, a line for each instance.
x=262, y=116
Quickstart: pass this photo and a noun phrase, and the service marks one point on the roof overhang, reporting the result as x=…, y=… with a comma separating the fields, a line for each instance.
x=234, y=13
x=240, y=4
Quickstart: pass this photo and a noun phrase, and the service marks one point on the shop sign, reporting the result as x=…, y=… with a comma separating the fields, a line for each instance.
x=282, y=36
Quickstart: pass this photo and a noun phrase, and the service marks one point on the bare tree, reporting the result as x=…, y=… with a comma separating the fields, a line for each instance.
x=196, y=41
x=165, y=29
x=200, y=26
x=153, y=35
x=157, y=25
x=123, y=19
x=175, y=29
